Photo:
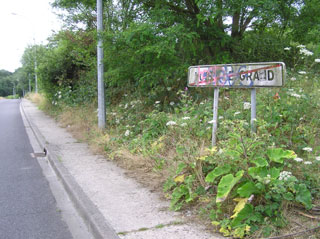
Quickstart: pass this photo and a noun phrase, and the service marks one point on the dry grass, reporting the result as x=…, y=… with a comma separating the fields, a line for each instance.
x=38, y=99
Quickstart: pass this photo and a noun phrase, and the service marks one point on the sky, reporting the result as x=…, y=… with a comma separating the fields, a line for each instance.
x=23, y=23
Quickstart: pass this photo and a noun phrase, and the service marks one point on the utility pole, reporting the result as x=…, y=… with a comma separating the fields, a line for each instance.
x=101, y=100
x=29, y=83
x=35, y=76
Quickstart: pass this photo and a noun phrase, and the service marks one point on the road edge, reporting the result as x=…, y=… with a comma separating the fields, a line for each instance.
x=92, y=217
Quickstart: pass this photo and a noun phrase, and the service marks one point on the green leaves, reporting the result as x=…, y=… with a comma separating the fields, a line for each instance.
x=226, y=184
x=303, y=195
x=218, y=171
x=247, y=189
x=277, y=155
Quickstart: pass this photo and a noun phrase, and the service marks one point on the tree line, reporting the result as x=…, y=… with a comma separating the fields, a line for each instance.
x=149, y=44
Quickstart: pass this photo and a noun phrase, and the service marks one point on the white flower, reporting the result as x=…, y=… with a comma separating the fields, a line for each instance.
x=236, y=113
x=291, y=90
x=302, y=72
x=183, y=124
x=170, y=123
x=293, y=79
x=317, y=60
x=287, y=48
x=126, y=106
x=246, y=105
x=211, y=121
x=59, y=96
x=220, y=117
x=307, y=162
x=157, y=102
x=301, y=46
x=294, y=95
x=201, y=103
x=318, y=158
x=308, y=149
x=171, y=103
x=285, y=175
x=127, y=133
x=186, y=118
x=169, y=88
x=306, y=52
x=298, y=159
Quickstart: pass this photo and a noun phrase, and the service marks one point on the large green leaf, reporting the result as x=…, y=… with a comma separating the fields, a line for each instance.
x=247, y=189
x=218, y=171
x=303, y=195
x=258, y=172
x=226, y=184
x=260, y=162
x=277, y=155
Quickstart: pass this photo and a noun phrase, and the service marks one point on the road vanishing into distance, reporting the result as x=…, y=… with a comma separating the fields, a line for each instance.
x=28, y=209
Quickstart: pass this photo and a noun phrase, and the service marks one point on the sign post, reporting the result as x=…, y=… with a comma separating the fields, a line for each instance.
x=242, y=75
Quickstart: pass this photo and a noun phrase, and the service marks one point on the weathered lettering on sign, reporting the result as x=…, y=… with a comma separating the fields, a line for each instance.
x=243, y=75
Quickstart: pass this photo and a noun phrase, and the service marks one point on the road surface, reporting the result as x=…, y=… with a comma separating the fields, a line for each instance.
x=27, y=206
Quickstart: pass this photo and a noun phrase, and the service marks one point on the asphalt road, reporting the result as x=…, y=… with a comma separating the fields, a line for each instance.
x=28, y=209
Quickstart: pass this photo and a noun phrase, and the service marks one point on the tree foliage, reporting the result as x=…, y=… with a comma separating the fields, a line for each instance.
x=149, y=44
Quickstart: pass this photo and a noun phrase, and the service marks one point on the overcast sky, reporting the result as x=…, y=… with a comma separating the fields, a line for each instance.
x=22, y=23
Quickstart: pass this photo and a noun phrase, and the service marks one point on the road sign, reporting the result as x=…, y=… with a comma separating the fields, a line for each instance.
x=242, y=75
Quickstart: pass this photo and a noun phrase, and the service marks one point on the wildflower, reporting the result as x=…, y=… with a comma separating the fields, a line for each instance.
x=298, y=159
x=183, y=124
x=318, y=158
x=285, y=175
x=293, y=79
x=308, y=149
x=157, y=102
x=294, y=95
x=236, y=113
x=170, y=123
x=59, y=96
x=302, y=72
x=186, y=89
x=307, y=162
x=306, y=52
x=126, y=106
x=246, y=105
x=186, y=118
x=317, y=60
x=201, y=103
x=287, y=48
x=291, y=90
x=169, y=88
x=211, y=121
x=301, y=46
x=127, y=133
x=220, y=117
x=172, y=103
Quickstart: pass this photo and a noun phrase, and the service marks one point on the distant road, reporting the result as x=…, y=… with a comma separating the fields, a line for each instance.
x=27, y=207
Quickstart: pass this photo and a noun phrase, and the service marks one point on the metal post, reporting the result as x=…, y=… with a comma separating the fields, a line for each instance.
x=36, y=77
x=253, y=110
x=215, y=116
x=29, y=83
x=101, y=100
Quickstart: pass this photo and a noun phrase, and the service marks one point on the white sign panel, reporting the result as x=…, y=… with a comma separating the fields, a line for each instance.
x=242, y=75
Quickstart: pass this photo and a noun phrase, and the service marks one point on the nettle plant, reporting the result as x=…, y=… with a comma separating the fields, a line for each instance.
x=245, y=172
